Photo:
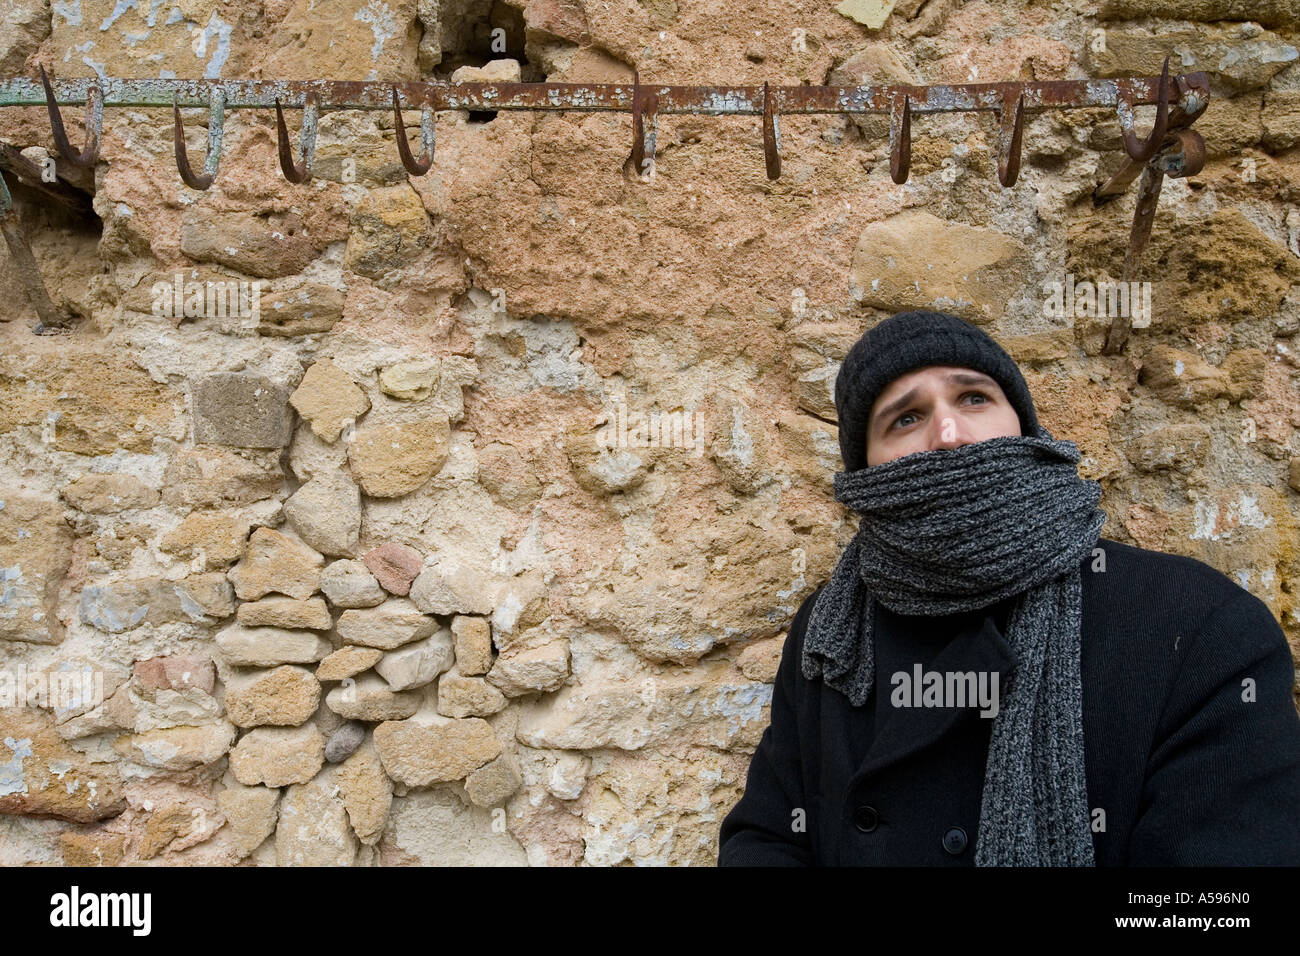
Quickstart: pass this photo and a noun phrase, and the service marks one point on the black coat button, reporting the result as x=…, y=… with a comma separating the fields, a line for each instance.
x=865, y=818
x=954, y=841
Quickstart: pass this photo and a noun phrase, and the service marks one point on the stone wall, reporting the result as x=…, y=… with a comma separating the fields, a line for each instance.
x=357, y=577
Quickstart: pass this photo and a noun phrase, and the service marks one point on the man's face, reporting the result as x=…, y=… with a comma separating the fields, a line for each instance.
x=941, y=406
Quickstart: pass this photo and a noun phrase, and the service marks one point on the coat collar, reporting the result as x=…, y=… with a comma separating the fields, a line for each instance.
x=981, y=647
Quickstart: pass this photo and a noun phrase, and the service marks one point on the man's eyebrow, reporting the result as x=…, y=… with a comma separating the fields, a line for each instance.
x=885, y=412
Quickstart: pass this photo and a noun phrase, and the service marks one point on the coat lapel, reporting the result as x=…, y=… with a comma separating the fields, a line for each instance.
x=982, y=648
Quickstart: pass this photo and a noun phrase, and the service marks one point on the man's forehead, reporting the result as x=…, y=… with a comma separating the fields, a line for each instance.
x=899, y=391
x=949, y=372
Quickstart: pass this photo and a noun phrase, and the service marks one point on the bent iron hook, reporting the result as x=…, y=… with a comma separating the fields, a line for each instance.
x=900, y=138
x=299, y=172
x=413, y=166
x=1009, y=140
x=216, y=121
x=771, y=135
x=94, y=123
x=1143, y=150
x=644, y=107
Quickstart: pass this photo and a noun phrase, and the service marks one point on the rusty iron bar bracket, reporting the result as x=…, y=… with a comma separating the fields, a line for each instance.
x=1009, y=101
x=1169, y=149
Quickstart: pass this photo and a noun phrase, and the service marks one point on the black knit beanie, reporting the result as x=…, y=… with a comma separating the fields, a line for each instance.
x=903, y=343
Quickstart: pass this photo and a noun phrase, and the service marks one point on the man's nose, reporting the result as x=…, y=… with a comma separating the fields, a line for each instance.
x=947, y=429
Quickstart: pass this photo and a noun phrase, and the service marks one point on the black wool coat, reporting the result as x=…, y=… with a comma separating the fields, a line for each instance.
x=1191, y=735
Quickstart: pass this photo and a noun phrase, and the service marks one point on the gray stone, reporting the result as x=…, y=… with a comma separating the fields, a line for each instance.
x=344, y=741
x=241, y=410
x=112, y=608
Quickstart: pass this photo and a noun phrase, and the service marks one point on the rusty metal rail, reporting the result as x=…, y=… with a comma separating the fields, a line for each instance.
x=1170, y=149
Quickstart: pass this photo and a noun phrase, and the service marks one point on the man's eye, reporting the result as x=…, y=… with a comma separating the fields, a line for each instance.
x=897, y=421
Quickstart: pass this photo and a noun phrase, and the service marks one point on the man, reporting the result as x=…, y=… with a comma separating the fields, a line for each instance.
x=984, y=680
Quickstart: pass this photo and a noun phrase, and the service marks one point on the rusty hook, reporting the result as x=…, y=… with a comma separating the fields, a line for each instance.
x=94, y=123
x=413, y=166
x=216, y=122
x=299, y=172
x=644, y=105
x=1009, y=140
x=900, y=138
x=1185, y=156
x=771, y=135
x=1143, y=150
x=638, y=139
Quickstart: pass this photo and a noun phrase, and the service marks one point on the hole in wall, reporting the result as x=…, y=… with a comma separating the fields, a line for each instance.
x=475, y=32
x=60, y=228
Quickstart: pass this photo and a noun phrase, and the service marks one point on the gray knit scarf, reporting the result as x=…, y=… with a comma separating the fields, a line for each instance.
x=958, y=529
